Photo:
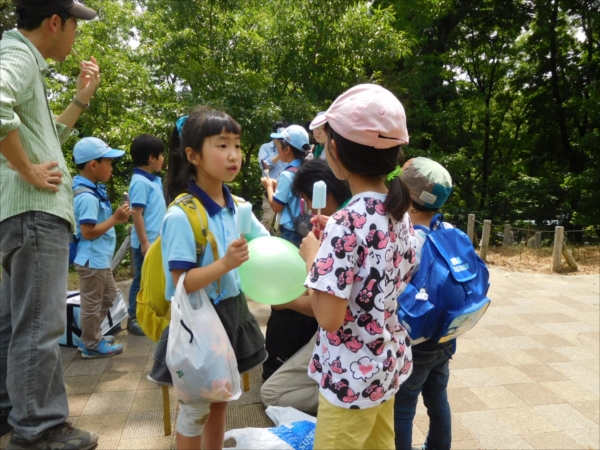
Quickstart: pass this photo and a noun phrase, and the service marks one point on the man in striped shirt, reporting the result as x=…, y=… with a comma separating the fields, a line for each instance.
x=36, y=218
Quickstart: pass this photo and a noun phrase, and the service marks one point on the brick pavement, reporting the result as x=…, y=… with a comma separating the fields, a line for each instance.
x=527, y=376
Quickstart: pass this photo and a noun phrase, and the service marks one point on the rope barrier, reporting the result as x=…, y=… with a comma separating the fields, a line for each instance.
x=530, y=230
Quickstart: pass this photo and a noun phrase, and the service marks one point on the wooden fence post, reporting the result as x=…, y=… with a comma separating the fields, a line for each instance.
x=506, y=238
x=569, y=257
x=125, y=247
x=559, y=233
x=485, y=239
x=538, y=239
x=471, y=228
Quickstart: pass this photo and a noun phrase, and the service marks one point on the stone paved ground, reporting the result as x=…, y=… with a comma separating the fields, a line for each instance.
x=527, y=376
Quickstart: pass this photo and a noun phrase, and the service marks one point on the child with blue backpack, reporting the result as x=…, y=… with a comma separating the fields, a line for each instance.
x=205, y=154
x=148, y=210
x=430, y=186
x=96, y=245
x=292, y=144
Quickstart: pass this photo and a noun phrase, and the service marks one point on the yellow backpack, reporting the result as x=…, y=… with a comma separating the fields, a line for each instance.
x=153, y=311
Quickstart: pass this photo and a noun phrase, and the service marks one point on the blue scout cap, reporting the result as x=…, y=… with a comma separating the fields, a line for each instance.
x=295, y=135
x=91, y=148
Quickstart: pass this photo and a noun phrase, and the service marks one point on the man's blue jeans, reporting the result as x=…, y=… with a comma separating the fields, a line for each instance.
x=431, y=372
x=138, y=260
x=33, y=316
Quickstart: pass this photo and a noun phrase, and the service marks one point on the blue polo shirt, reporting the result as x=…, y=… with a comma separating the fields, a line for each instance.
x=145, y=191
x=91, y=209
x=283, y=195
x=179, y=245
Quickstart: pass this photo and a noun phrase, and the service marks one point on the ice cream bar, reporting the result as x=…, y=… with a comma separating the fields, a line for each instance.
x=244, y=218
x=319, y=197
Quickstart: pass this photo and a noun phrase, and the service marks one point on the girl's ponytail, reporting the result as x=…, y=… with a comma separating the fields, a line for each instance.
x=397, y=201
x=178, y=174
x=374, y=163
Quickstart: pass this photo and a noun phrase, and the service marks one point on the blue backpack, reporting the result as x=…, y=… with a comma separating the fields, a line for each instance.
x=448, y=294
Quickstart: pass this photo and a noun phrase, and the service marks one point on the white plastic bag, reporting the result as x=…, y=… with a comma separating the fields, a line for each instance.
x=285, y=415
x=199, y=354
x=294, y=430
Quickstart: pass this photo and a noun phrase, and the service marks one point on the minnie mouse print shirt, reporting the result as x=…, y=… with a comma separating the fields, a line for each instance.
x=366, y=257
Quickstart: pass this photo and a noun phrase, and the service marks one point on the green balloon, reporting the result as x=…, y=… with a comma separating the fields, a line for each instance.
x=275, y=272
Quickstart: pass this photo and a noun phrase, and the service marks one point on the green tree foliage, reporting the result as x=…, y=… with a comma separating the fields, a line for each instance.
x=505, y=93
x=264, y=61
x=7, y=16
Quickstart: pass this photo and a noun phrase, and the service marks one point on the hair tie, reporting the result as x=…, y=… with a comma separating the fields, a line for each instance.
x=396, y=173
x=180, y=123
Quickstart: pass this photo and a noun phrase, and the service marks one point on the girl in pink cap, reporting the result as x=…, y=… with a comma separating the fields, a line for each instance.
x=358, y=266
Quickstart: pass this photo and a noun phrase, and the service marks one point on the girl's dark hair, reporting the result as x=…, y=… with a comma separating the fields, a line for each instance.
x=318, y=170
x=203, y=122
x=298, y=154
x=30, y=19
x=374, y=163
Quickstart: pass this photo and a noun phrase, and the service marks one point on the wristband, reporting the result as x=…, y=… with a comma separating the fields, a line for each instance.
x=79, y=104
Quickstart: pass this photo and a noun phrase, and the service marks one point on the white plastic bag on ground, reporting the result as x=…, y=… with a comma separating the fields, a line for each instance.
x=199, y=354
x=294, y=430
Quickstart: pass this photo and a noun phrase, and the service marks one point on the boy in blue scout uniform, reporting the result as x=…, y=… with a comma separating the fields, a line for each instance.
x=270, y=166
x=292, y=144
x=148, y=209
x=95, y=230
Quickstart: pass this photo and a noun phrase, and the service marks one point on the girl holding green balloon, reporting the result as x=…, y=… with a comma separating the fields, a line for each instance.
x=204, y=154
x=356, y=271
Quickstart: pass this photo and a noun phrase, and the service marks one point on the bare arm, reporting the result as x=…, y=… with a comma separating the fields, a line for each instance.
x=328, y=309
x=140, y=228
x=87, y=83
x=43, y=176
x=270, y=184
x=92, y=231
x=70, y=115
x=200, y=277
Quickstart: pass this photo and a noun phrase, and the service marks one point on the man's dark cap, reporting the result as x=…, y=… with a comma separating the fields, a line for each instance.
x=75, y=9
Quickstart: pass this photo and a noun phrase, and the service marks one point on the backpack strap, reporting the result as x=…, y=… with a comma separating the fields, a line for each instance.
x=436, y=221
x=196, y=214
x=83, y=189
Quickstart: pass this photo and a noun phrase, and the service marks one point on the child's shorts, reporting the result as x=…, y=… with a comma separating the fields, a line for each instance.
x=243, y=331
x=354, y=428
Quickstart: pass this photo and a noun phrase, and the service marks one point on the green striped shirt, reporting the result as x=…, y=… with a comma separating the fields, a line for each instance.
x=24, y=107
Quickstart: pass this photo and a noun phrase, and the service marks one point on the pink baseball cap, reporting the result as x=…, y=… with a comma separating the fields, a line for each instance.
x=367, y=114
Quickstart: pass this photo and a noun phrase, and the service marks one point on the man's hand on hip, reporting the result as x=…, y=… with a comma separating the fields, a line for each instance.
x=43, y=176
